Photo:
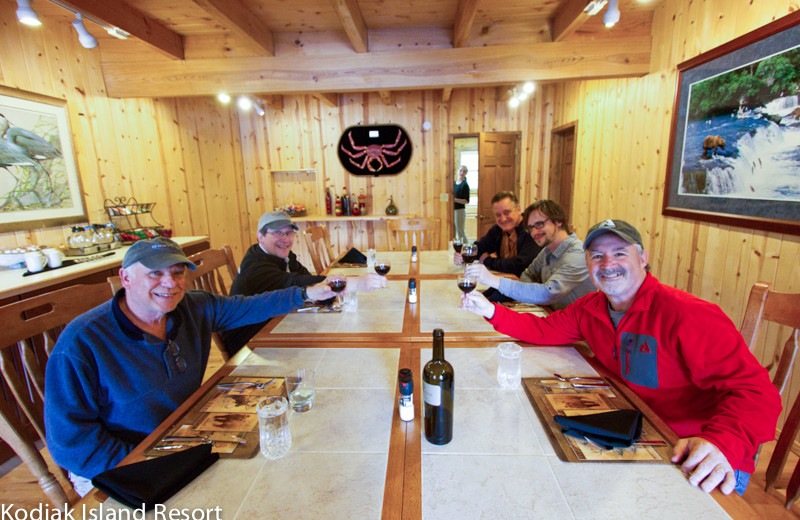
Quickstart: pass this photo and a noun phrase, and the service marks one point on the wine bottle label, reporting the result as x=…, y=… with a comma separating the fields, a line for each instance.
x=432, y=394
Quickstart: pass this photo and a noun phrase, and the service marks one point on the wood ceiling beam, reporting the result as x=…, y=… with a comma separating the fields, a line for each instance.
x=390, y=70
x=139, y=25
x=386, y=96
x=331, y=100
x=447, y=93
x=272, y=100
x=237, y=18
x=352, y=20
x=465, y=17
x=569, y=17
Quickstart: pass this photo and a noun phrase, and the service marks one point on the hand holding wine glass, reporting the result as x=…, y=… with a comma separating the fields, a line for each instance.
x=337, y=283
x=320, y=291
x=476, y=303
x=481, y=274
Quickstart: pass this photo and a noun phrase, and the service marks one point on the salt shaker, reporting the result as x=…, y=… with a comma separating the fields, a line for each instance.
x=406, y=400
x=412, y=290
x=413, y=253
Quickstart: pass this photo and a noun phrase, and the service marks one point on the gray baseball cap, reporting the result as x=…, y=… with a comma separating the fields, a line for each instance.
x=275, y=220
x=620, y=228
x=156, y=253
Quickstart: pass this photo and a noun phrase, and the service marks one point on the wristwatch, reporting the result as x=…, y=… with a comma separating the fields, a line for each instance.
x=304, y=294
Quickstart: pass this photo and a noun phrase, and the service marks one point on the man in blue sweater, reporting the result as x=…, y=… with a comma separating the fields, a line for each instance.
x=120, y=369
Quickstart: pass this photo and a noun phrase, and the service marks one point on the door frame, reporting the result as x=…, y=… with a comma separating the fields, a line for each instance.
x=556, y=161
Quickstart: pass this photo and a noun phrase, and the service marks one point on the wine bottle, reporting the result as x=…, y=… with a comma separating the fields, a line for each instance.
x=437, y=393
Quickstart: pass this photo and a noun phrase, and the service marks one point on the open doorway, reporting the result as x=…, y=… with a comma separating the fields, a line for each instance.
x=465, y=153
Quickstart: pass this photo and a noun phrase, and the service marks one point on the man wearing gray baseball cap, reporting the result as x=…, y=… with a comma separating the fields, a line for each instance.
x=120, y=369
x=683, y=356
x=270, y=264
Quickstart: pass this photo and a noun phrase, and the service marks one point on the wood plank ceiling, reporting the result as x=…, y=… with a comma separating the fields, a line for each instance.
x=326, y=47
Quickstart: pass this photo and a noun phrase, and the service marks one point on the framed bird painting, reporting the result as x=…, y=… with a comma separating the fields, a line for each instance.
x=39, y=182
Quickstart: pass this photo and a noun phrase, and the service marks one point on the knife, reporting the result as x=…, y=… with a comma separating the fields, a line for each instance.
x=205, y=438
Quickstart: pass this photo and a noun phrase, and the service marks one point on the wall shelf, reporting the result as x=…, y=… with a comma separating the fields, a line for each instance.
x=363, y=218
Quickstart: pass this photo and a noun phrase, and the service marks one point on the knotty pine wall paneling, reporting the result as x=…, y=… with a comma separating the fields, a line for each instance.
x=624, y=128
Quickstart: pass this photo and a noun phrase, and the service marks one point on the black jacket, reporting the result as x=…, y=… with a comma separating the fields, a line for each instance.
x=261, y=272
x=526, y=250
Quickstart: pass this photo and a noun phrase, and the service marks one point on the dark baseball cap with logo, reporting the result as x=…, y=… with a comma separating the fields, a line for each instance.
x=274, y=220
x=620, y=228
x=156, y=253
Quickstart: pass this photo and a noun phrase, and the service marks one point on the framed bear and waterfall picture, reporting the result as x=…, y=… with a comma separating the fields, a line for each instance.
x=734, y=153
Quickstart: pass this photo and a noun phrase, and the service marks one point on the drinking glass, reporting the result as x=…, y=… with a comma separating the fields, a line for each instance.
x=466, y=283
x=300, y=389
x=382, y=266
x=469, y=253
x=274, y=436
x=370, y=258
x=509, y=371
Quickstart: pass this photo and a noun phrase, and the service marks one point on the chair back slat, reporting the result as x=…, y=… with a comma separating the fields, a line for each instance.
x=420, y=232
x=319, y=247
x=30, y=329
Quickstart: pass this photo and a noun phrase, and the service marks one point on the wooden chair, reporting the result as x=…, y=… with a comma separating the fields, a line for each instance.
x=319, y=247
x=30, y=330
x=784, y=309
x=420, y=232
x=208, y=277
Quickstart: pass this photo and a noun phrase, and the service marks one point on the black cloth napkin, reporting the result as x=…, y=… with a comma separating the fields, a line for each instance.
x=354, y=256
x=615, y=429
x=151, y=482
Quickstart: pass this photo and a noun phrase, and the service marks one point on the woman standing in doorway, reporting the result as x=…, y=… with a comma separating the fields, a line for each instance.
x=460, y=200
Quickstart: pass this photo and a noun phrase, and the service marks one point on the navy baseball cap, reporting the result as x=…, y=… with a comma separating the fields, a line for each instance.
x=156, y=253
x=620, y=228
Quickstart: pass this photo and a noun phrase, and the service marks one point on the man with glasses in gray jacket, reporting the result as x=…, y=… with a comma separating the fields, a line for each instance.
x=558, y=275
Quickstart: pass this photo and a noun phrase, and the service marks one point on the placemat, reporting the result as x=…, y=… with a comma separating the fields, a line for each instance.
x=224, y=416
x=551, y=396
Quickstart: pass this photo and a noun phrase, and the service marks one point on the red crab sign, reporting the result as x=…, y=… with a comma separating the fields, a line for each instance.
x=374, y=150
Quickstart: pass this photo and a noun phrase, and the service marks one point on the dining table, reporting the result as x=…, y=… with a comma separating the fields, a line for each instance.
x=352, y=457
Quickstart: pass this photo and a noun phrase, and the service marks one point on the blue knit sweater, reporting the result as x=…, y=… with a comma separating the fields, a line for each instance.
x=109, y=384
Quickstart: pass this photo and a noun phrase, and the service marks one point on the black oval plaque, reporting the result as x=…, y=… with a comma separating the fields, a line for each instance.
x=374, y=149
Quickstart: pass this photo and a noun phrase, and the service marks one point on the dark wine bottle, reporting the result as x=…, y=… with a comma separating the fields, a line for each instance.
x=437, y=394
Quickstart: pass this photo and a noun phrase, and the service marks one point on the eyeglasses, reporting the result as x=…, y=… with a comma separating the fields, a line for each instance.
x=284, y=234
x=175, y=352
x=537, y=225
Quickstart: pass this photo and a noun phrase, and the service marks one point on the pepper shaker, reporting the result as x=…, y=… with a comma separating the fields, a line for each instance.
x=406, y=399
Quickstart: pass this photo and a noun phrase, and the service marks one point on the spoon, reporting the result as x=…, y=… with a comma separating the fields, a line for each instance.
x=233, y=386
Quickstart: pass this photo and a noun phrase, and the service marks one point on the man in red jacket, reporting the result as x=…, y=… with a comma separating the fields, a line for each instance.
x=683, y=356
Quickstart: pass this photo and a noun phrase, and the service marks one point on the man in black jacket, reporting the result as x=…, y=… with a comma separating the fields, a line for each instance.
x=270, y=264
x=507, y=247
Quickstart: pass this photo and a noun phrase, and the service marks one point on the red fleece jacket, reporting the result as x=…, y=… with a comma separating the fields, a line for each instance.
x=683, y=356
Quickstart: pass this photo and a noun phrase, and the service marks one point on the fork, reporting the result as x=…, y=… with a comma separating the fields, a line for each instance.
x=256, y=386
x=577, y=378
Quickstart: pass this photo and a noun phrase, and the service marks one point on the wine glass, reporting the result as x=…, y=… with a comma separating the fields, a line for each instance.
x=382, y=266
x=469, y=253
x=337, y=283
x=467, y=283
x=457, y=245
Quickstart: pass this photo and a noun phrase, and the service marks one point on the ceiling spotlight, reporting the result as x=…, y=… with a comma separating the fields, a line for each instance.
x=528, y=87
x=522, y=96
x=87, y=40
x=26, y=14
x=612, y=14
x=513, y=102
x=244, y=103
x=258, y=109
x=224, y=98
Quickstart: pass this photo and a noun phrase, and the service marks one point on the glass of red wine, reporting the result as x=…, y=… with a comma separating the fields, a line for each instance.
x=337, y=283
x=469, y=253
x=457, y=245
x=382, y=266
x=467, y=283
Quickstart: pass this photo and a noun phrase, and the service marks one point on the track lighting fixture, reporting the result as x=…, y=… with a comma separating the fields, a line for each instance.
x=224, y=98
x=258, y=109
x=244, y=103
x=612, y=14
x=26, y=14
x=520, y=93
x=87, y=40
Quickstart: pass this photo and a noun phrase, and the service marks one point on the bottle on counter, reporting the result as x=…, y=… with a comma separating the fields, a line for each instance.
x=355, y=210
x=413, y=253
x=76, y=239
x=362, y=202
x=406, y=399
x=338, y=211
x=328, y=202
x=437, y=392
x=345, y=202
